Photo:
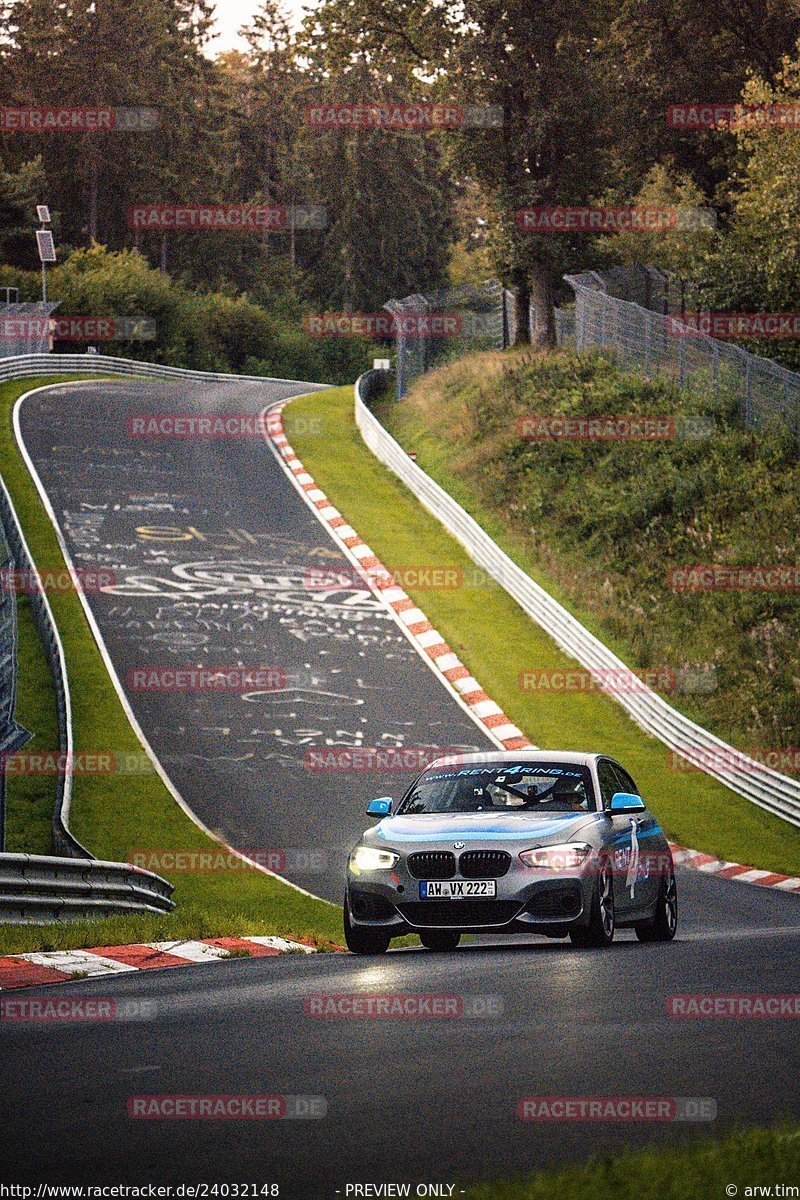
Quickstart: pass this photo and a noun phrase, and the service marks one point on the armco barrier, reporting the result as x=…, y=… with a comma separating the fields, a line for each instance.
x=25, y=365
x=768, y=789
x=39, y=889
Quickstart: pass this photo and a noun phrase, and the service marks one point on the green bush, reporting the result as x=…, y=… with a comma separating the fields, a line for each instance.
x=206, y=331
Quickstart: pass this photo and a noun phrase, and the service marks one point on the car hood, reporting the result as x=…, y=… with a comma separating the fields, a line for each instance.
x=482, y=827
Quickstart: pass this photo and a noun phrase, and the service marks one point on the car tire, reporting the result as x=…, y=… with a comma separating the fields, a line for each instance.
x=600, y=929
x=361, y=939
x=664, y=925
x=440, y=939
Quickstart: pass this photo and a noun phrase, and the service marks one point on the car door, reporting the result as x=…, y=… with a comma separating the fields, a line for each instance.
x=643, y=876
x=619, y=839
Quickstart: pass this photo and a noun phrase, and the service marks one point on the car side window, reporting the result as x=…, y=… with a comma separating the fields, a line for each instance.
x=627, y=783
x=609, y=784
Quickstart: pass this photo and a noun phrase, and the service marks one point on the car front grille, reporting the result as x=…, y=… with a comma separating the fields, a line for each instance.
x=466, y=913
x=484, y=864
x=432, y=864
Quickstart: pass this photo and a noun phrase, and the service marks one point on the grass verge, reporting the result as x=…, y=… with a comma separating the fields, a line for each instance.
x=114, y=814
x=31, y=799
x=498, y=642
x=746, y=1161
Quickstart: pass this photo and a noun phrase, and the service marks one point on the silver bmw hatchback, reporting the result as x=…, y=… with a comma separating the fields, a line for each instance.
x=529, y=841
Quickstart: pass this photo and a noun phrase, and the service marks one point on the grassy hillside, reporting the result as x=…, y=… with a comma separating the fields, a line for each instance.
x=602, y=524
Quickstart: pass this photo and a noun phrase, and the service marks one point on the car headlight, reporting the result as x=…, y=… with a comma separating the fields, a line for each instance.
x=569, y=857
x=367, y=858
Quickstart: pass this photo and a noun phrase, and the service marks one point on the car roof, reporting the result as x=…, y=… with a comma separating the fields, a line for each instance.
x=572, y=757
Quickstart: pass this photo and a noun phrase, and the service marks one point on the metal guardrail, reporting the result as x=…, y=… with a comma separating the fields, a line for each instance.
x=25, y=365
x=40, y=889
x=13, y=736
x=776, y=793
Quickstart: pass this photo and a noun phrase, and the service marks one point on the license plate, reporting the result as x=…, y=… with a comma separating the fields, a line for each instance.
x=457, y=889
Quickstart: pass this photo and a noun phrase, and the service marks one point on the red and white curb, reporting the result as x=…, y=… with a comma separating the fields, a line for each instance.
x=378, y=577
x=57, y=966
x=710, y=865
x=433, y=645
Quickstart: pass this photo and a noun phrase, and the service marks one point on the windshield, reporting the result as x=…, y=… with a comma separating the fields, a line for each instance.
x=501, y=787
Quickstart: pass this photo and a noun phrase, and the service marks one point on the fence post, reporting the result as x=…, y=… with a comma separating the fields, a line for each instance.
x=681, y=360
x=423, y=341
x=399, y=349
x=648, y=334
x=748, y=395
x=401, y=365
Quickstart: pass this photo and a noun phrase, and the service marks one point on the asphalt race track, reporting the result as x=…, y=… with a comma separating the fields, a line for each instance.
x=216, y=560
x=430, y=1100
x=425, y=1100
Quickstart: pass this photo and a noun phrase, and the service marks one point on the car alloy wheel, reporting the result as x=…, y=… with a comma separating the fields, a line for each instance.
x=600, y=929
x=664, y=925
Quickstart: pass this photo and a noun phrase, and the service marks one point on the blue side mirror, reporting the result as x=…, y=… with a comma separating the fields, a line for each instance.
x=381, y=807
x=626, y=802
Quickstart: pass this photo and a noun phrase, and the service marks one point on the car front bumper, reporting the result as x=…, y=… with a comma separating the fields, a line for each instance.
x=527, y=900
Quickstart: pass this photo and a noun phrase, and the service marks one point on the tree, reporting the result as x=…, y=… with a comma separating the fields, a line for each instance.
x=662, y=52
x=20, y=192
x=389, y=192
x=757, y=263
x=682, y=251
x=100, y=53
x=533, y=58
